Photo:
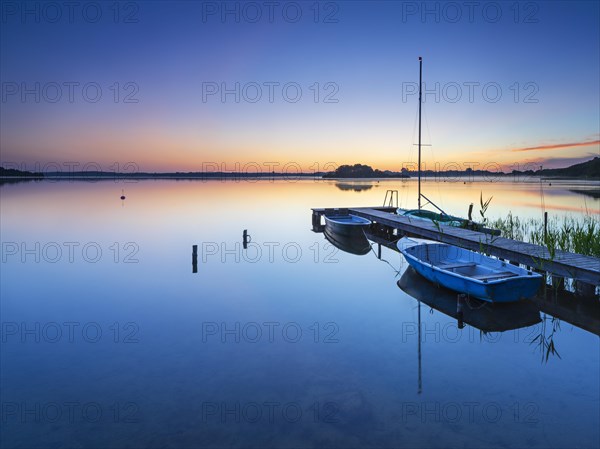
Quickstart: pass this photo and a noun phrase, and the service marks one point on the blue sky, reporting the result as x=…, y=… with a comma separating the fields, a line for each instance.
x=353, y=63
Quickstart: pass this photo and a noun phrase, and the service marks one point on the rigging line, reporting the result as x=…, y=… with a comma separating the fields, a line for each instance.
x=415, y=124
x=483, y=304
x=429, y=144
x=405, y=193
x=543, y=202
x=439, y=198
x=397, y=271
x=410, y=148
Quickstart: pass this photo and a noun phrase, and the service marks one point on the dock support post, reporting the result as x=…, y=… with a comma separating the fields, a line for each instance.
x=379, y=251
x=316, y=222
x=545, y=226
x=558, y=282
x=584, y=289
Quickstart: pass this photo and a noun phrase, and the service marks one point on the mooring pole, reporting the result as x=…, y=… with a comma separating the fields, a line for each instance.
x=194, y=258
x=460, y=310
x=245, y=239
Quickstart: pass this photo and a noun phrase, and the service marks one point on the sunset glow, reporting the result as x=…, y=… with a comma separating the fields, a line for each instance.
x=217, y=87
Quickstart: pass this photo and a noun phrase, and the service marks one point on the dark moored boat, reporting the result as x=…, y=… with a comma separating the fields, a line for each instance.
x=347, y=225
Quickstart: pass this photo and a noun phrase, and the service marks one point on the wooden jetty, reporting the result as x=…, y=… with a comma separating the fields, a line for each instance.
x=585, y=270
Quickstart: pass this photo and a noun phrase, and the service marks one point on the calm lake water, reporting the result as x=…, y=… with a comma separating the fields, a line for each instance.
x=109, y=340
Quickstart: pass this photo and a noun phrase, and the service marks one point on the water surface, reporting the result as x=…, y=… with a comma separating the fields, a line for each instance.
x=110, y=340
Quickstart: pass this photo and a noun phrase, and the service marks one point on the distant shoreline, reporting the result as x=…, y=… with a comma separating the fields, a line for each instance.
x=589, y=170
x=259, y=176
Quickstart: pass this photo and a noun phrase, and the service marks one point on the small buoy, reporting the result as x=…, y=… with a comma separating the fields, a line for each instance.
x=122, y=195
x=550, y=184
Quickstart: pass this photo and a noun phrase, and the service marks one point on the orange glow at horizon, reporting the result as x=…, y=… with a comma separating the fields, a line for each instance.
x=155, y=148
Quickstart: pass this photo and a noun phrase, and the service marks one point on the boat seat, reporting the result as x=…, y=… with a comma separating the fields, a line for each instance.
x=450, y=266
x=502, y=274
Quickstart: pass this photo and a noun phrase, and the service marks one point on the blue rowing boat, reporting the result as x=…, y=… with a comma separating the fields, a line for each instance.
x=469, y=272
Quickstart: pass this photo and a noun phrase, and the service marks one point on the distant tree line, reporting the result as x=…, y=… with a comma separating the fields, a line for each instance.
x=362, y=171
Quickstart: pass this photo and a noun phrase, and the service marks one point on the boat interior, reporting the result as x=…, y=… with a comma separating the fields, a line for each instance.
x=463, y=262
x=349, y=219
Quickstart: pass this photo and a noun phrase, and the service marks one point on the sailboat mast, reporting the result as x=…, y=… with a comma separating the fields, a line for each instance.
x=419, y=352
x=420, y=85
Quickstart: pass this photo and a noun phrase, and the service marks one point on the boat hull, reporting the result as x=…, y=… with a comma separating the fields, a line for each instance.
x=346, y=225
x=472, y=273
x=428, y=215
x=445, y=220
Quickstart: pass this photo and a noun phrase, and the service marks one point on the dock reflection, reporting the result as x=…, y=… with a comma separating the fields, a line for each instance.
x=548, y=309
x=581, y=312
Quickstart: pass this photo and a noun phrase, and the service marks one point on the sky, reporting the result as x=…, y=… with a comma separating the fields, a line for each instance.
x=289, y=86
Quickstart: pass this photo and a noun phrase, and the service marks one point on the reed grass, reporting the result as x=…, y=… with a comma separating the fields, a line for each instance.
x=567, y=233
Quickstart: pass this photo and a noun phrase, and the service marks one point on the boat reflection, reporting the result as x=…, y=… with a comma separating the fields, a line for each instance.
x=545, y=311
x=478, y=314
x=351, y=243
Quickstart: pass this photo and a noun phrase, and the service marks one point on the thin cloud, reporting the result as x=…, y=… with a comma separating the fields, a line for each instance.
x=557, y=146
x=556, y=162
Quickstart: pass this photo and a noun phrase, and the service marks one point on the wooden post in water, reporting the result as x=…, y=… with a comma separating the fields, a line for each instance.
x=460, y=300
x=545, y=225
x=194, y=258
x=246, y=239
